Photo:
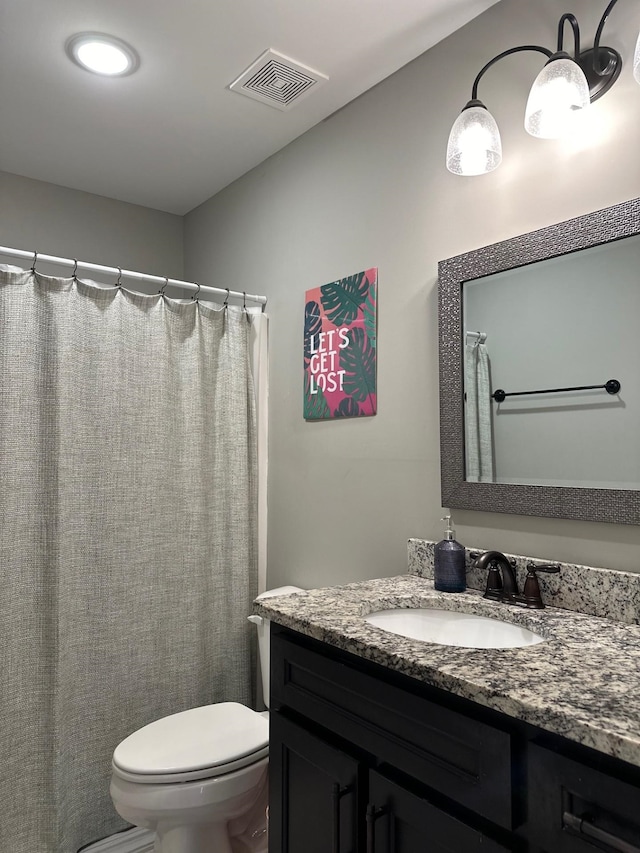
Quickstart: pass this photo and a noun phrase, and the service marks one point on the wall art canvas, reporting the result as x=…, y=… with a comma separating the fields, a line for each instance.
x=340, y=348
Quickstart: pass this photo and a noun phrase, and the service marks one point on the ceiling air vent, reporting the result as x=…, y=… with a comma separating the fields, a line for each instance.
x=276, y=80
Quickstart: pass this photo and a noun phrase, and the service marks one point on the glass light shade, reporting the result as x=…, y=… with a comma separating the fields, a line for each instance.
x=559, y=91
x=102, y=58
x=474, y=146
x=102, y=54
x=636, y=62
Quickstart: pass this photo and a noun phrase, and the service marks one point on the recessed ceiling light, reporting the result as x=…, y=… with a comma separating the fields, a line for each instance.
x=102, y=54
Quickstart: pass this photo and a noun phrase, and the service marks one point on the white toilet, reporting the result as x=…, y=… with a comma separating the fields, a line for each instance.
x=187, y=776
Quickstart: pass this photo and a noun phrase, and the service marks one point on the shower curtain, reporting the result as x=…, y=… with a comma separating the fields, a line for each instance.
x=128, y=536
x=477, y=415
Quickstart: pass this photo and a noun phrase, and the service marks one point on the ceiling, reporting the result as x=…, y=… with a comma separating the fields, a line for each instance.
x=172, y=135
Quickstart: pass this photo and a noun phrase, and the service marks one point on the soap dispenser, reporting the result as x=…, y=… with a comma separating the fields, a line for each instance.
x=449, y=574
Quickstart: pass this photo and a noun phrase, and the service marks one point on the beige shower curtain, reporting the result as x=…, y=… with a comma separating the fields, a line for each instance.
x=127, y=538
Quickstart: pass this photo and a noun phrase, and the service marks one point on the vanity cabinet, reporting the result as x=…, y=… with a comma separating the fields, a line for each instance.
x=366, y=760
x=399, y=821
x=576, y=808
x=359, y=764
x=325, y=801
x=317, y=790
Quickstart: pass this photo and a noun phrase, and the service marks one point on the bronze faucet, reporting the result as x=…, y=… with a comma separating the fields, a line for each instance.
x=504, y=587
x=500, y=587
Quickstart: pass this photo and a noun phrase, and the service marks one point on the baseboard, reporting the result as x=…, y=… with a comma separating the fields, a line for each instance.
x=131, y=841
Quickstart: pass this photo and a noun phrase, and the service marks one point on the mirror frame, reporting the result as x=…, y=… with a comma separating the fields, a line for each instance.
x=619, y=506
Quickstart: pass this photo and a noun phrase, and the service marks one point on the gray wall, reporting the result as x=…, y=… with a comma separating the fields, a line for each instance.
x=368, y=188
x=54, y=220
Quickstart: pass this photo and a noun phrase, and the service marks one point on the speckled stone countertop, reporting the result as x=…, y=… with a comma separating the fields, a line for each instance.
x=583, y=682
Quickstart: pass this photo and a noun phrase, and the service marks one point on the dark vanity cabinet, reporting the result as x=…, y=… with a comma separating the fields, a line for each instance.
x=400, y=821
x=358, y=763
x=366, y=760
x=320, y=791
x=576, y=808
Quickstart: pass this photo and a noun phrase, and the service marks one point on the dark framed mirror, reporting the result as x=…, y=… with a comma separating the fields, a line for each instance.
x=552, y=319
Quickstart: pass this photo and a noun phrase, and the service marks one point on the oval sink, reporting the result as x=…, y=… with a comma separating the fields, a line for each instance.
x=449, y=628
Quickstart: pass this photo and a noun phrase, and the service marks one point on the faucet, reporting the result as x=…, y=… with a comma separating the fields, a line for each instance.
x=499, y=587
x=505, y=587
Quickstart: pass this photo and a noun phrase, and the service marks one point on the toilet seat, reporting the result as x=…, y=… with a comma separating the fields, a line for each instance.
x=200, y=743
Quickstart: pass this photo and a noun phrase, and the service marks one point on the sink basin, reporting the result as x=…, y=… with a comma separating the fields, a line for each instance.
x=449, y=628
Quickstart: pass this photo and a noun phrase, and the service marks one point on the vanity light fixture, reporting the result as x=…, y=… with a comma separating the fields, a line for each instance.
x=102, y=54
x=565, y=86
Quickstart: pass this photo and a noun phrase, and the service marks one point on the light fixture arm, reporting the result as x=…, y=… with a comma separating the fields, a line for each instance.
x=596, y=43
x=546, y=51
x=576, y=32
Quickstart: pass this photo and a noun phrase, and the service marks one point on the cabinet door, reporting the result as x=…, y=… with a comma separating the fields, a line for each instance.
x=314, y=793
x=399, y=821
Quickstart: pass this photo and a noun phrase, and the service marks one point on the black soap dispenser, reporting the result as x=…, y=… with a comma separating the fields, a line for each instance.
x=449, y=573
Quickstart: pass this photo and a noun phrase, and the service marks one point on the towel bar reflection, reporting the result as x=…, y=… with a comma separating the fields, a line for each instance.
x=612, y=386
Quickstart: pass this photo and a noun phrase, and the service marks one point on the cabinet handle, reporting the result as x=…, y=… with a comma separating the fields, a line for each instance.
x=337, y=793
x=583, y=827
x=372, y=816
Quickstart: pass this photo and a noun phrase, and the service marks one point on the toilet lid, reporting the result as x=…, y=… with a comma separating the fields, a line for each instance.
x=206, y=737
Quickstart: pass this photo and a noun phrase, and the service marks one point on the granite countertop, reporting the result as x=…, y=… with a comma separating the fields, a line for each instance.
x=583, y=682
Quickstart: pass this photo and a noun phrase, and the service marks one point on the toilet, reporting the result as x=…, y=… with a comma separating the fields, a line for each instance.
x=195, y=778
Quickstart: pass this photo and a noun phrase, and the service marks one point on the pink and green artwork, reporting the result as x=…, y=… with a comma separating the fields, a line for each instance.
x=340, y=348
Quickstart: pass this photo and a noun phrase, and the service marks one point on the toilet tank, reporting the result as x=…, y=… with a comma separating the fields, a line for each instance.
x=262, y=626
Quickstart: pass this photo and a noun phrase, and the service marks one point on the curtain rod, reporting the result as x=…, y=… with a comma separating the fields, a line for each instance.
x=140, y=276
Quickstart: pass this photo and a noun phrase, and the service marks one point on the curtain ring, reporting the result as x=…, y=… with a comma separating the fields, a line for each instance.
x=163, y=288
x=74, y=274
x=226, y=299
x=35, y=260
x=244, y=307
x=119, y=281
x=195, y=295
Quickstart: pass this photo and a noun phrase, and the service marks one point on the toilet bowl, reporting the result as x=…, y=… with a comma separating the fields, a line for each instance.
x=196, y=777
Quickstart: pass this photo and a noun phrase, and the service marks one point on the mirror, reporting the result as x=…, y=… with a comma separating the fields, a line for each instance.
x=536, y=316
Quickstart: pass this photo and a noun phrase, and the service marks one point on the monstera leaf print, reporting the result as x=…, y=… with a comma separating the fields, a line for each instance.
x=316, y=407
x=312, y=326
x=358, y=360
x=369, y=312
x=342, y=299
x=348, y=408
